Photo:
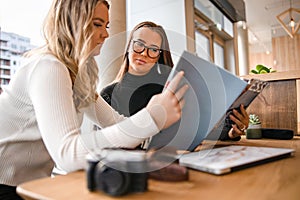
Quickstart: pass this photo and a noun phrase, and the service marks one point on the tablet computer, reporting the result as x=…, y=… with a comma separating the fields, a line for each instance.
x=213, y=92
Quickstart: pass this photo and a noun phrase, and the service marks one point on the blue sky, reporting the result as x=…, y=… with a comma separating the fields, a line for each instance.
x=24, y=17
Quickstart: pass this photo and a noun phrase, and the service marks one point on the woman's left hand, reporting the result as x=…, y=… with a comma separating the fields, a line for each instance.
x=241, y=122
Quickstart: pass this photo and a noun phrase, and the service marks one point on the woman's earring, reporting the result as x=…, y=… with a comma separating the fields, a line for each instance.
x=158, y=69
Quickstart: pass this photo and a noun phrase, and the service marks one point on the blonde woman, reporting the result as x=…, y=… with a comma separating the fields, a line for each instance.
x=43, y=106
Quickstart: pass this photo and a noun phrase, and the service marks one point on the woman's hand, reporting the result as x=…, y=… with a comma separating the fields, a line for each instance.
x=241, y=121
x=165, y=108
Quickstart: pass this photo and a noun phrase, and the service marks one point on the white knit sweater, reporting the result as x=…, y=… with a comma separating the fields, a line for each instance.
x=39, y=125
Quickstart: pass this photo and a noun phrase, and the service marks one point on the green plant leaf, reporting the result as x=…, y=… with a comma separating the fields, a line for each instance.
x=259, y=67
x=254, y=71
x=254, y=119
x=263, y=71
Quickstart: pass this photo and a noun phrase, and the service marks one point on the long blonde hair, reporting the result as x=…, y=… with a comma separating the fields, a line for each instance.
x=68, y=31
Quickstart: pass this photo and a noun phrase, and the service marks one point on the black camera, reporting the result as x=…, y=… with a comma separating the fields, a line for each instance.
x=117, y=171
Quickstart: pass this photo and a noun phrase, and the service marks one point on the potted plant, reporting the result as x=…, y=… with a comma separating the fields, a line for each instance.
x=261, y=69
x=254, y=129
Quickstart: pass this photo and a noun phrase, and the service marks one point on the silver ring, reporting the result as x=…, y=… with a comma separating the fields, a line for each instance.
x=244, y=129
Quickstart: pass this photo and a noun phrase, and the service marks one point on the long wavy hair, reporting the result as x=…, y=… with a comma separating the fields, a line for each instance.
x=68, y=30
x=165, y=57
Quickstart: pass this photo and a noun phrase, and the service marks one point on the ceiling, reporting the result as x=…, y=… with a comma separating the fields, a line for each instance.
x=262, y=22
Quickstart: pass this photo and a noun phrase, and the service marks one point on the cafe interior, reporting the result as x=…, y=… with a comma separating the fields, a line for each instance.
x=235, y=35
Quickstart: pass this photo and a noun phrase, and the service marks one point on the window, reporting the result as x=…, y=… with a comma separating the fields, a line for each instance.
x=209, y=41
x=202, y=46
x=219, y=55
x=211, y=24
x=7, y=72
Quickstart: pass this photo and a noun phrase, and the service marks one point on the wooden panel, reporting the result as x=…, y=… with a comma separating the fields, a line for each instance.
x=260, y=58
x=277, y=105
x=189, y=22
x=298, y=103
x=286, y=51
x=284, y=56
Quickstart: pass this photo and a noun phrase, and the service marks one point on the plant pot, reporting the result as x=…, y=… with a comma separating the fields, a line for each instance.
x=254, y=131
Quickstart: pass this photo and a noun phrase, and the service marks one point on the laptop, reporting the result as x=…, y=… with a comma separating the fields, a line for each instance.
x=228, y=159
x=213, y=92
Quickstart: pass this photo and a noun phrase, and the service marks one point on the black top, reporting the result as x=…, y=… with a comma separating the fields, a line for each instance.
x=133, y=93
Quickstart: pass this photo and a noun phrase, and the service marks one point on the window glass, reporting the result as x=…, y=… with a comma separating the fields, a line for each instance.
x=219, y=55
x=202, y=46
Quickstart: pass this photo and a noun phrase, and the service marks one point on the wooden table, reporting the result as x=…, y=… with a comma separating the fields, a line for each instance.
x=275, y=180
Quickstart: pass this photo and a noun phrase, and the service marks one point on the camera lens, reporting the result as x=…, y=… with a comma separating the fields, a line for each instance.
x=113, y=182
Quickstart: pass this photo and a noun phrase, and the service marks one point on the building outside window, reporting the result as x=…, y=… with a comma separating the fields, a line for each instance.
x=12, y=46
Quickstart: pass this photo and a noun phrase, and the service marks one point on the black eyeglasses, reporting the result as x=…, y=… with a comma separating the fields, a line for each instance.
x=139, y=47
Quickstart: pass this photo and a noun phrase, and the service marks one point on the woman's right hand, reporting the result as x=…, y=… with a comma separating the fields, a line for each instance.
x=165, y=108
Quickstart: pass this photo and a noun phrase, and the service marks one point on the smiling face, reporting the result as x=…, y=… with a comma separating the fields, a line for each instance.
x=141, y=63
x=100, y=25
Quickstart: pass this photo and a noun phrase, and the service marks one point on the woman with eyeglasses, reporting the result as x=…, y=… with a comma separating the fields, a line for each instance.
x=146, y=65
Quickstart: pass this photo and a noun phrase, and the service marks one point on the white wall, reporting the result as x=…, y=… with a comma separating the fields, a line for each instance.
x=168, y=13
